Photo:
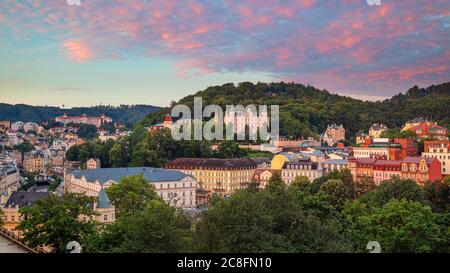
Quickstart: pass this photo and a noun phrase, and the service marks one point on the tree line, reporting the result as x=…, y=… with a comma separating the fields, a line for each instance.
x=330, y=214
x=306, y=111
x=153, y=149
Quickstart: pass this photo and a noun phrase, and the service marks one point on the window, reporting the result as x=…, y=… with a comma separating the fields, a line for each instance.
x=105, y=217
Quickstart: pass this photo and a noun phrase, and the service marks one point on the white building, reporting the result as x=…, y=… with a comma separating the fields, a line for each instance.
x=301, y=167
x=17, y=126
x=249, y=119
x=9, y=181
x=441, y=151
x=30, y=126
x=175, y=187
x=13, y=139
x=332, y=165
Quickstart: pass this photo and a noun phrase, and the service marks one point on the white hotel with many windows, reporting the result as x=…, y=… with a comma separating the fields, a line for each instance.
x=175, y=187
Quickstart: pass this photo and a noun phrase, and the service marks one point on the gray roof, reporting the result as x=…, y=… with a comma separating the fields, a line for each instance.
x=23, y=199
x=8, y=169
x=336, y=161
x=153, y=175
x=103, y=201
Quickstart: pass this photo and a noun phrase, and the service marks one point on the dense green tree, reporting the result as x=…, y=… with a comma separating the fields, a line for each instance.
x=394, y=188
x=304, y=107
x=127, y=114
x=55, y=221
x=109, y=127
x=408, y=134
x=301, y=183
x=229, y=149
x=399, y=226
x=131, y=195
x=275, y=219
x=158, y=228
x=24, y=147
x=72, y=153
x=364, y=186
x=87, y=131
x=344, y=175
x=119, y=154
x=438, y=194
x=337, y=192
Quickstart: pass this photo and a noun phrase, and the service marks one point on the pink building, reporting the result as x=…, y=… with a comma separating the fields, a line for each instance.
x=386, y=169
x=84, y=119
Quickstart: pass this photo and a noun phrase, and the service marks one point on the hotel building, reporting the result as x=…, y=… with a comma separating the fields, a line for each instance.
x=439, y=150
x=84, y=119
x=174, y=187
x=34, y=162
x=220, y=176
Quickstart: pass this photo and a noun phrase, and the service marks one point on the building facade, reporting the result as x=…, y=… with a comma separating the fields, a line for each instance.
x=93, y=163
x=439, y=150
x=426, y=128
x=332, y=165
x=421, y=169
x=384, y=148
x=5, y=125
x=174, y=187
x=386, y=169
x=376, y=130
x=9, y=180
x=219, y=176
x=84, y=119
x=333, y=134
x=301, y=167
x=16, y=201
x=34, y=162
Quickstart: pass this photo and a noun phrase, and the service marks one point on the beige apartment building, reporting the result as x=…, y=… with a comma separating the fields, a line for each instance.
x=16, y=201
x=219, y=176
x=34, y=162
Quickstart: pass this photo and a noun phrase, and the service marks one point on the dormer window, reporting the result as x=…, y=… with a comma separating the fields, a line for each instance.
x=405, y=167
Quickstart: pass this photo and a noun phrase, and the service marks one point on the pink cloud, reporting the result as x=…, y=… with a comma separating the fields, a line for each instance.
x=314, y=41
x=77, y=51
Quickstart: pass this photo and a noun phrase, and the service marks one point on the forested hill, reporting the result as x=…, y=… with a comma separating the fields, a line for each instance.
x=306, y=111
x=128, y=114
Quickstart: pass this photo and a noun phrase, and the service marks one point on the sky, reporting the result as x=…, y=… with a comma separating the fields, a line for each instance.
x=152, y=52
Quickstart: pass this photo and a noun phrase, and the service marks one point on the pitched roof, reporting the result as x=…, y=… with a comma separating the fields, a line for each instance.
x=216, y=163
x=336, y=161
x=416, y=159
x=103, y=200
x=390, y=163
x=23, y=199
x=153, y=175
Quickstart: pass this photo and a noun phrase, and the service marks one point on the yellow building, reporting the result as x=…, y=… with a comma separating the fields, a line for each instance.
x=105, y=212
x=34, y=162
x=377, y=129
x=220, y=176
x=16, y=201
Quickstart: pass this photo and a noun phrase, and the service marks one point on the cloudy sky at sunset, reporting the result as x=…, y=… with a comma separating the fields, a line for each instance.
x=152, y=52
